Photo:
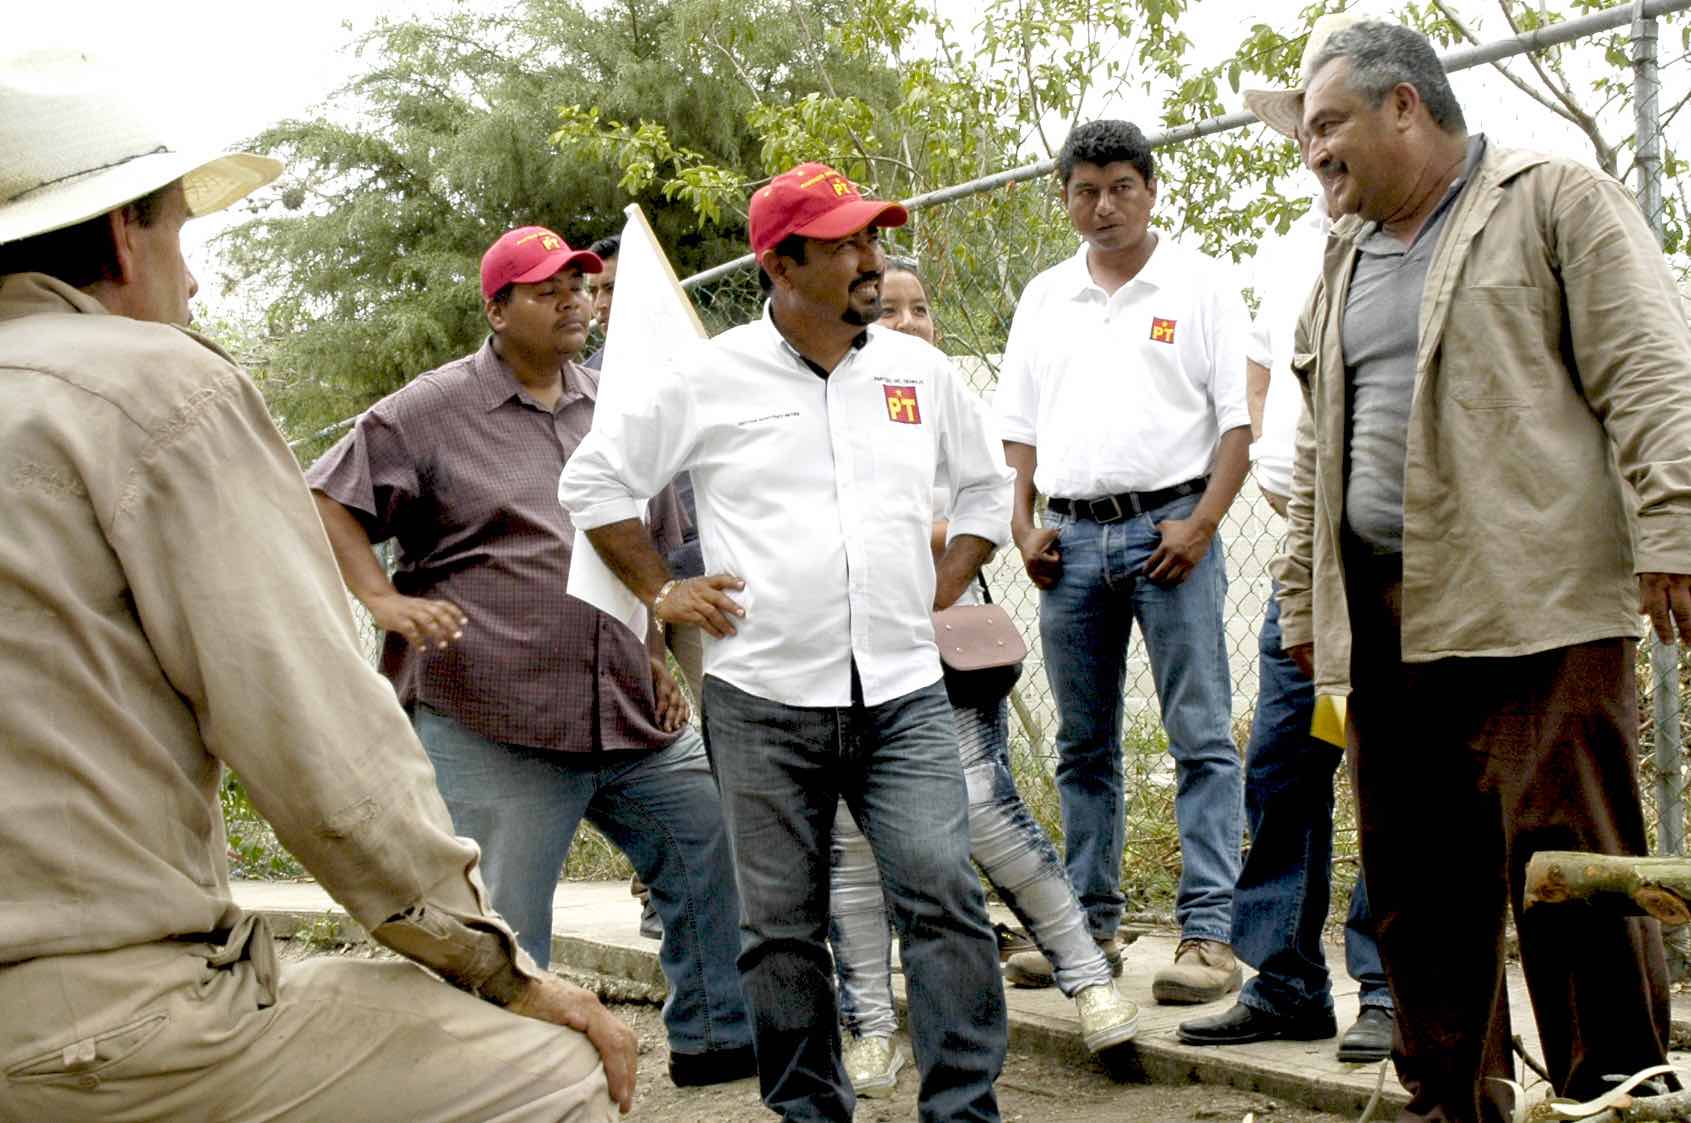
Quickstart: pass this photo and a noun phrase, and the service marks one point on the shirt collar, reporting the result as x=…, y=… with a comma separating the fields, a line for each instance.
x=498, y=385
x=773, y=334
x=1079, y=283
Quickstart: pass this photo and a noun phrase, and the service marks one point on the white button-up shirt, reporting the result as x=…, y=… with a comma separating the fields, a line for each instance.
x=1285, y=270
x=816, y=491
x=1125, y=391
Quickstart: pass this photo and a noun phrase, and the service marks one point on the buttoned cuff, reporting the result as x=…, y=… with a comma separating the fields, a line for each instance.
x=1664, y=544
x=476, y=954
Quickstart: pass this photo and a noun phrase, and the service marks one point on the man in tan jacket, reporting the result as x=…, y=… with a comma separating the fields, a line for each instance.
x=1486, y=495
x=170, y=606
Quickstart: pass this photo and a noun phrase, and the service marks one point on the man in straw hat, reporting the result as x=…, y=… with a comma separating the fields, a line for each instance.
x=1486, y=495
x=172, y=607
x=1280, y=901
x=814, y=437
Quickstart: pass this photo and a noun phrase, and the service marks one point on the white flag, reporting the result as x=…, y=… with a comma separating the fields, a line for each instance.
x=661, y=322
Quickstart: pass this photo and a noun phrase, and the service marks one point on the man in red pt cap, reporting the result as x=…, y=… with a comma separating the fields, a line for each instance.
x=536, y=709
x=814, y=438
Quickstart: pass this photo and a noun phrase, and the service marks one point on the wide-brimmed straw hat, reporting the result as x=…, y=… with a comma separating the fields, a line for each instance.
x=73, y=145
x=1282, y=110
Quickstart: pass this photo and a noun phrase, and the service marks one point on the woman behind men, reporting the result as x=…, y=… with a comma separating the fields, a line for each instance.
x=1008, y=845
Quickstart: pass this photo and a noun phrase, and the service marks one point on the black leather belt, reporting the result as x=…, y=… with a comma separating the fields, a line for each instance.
x=1114, y=508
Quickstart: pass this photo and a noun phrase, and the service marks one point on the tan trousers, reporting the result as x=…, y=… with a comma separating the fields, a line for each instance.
x=187, y=1032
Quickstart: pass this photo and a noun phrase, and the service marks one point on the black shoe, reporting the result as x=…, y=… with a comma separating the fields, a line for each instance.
x=696, y=1070
x=1369, y=1038
x=1242, y=1024
x=651, y=926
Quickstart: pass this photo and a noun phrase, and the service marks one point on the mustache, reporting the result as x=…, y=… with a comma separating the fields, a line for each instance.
x=866, y=278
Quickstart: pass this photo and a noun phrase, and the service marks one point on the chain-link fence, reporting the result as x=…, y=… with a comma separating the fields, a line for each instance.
x=974, y=281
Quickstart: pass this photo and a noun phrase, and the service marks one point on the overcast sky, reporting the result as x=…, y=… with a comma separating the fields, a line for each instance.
x=223, y=69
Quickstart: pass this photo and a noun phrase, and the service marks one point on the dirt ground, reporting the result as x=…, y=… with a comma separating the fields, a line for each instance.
x=1033, y=1089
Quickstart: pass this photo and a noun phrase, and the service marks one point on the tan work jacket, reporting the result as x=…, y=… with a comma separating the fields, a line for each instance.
x=169, y=604
x=1549, y=445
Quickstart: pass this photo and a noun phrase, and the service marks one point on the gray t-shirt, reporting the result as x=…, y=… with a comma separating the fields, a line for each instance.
x=1380, y=334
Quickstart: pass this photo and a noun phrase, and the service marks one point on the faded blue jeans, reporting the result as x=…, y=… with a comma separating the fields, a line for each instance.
x=783, y=770
x=1010, y=848
x=522, y=805
x=1280, y=903
x=1085, y=622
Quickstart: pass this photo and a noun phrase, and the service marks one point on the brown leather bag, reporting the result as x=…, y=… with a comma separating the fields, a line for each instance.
x=980, y=651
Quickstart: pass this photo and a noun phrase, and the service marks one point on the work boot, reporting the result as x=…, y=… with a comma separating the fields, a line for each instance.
x=1012, y=941
x=1244, y=1024
x=1202, y=971
x=1030, y=970
x=1106, y=1018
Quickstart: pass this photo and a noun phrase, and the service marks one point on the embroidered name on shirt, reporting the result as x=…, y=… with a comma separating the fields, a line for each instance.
x=901, y=405
x=1162, y=331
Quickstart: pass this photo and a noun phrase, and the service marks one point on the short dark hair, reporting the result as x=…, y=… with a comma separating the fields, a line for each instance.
x=502, y=296
x=793, y=246
x=1106, y=142
x=83, y=254
x=607, y=247
x=1384, y=55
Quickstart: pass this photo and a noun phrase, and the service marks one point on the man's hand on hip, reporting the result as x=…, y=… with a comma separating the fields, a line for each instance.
x=1184, y=544
x=703, y=601
x=426, y=623
x=1666, y=599
x=1040, y=555
x=551, y=999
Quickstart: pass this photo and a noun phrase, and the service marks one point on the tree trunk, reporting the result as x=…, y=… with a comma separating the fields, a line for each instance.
x=1658, y=887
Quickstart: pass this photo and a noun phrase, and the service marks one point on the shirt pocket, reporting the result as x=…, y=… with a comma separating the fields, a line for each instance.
x=1495, y=352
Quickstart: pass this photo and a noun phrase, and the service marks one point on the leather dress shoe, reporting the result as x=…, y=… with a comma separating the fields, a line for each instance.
x=1369, y=1038
x=1243, y=1024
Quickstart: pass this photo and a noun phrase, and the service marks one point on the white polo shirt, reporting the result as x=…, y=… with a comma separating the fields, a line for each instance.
x=1128, y=391
x=1283, y=273
x=816, y=491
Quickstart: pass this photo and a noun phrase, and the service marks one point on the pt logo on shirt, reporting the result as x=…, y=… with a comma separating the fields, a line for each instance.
x=901, y=405
x=1162, y=331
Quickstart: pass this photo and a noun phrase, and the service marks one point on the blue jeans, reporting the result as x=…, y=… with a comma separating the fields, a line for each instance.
x=1280, y=903
x=522, y=805
x=1085, y=622
x=783, y=770
x=1010, y=848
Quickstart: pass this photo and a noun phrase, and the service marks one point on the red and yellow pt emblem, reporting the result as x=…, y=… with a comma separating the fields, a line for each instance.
x=1162, y=331
x=901, y=405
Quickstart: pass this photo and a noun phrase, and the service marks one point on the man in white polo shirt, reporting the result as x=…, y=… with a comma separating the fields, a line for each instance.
x=814, y=438
x=1122, y=399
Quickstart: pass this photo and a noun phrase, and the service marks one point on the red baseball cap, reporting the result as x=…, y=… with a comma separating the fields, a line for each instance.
x=529, y=254
x=817, y=202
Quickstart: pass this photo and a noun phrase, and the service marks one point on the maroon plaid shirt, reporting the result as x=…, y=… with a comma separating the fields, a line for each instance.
x=460, y=468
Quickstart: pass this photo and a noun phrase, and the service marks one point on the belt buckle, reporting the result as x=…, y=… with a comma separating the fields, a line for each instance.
x=1116, y=516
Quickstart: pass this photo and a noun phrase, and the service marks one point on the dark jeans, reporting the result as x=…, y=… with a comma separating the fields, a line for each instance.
x=783, y=770
x=1280, y=903
x=1464, y=768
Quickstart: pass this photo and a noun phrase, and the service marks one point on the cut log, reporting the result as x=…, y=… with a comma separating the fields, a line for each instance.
x=1658, y=887
x=1675, y=1105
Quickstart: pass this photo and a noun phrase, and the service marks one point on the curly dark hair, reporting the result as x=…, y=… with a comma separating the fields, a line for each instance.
x=1106, y=142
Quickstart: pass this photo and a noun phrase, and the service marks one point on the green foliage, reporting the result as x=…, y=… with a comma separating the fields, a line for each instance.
x=367, y=266
x=253, y=849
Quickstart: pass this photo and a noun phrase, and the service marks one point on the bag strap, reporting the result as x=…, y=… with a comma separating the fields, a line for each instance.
x=986, y=592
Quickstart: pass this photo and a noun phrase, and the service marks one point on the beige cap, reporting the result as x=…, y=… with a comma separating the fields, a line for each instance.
x=1282, y=110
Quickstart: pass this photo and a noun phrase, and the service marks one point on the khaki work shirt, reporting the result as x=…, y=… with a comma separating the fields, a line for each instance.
x=1549, y=444
x=169, y=605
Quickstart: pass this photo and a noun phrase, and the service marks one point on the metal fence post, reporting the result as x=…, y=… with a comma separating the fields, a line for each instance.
x=1664, y=657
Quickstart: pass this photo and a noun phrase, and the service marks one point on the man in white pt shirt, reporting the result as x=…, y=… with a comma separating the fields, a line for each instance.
x=1281, y=900
x=1122, y=398
x=814, y=438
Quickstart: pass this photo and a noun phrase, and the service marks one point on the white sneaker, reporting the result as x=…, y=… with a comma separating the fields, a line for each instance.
x=872, y=1064
x=1106, y=1018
